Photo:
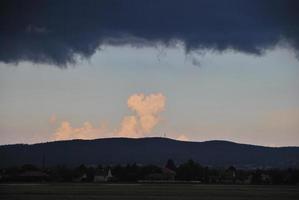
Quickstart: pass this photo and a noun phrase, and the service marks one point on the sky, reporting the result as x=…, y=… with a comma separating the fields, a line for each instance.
x=131, y=69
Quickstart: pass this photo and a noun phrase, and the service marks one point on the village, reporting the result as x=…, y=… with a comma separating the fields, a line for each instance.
x=188, y=172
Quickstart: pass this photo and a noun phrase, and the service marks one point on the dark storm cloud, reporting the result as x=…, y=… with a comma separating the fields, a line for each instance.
x=57, y=31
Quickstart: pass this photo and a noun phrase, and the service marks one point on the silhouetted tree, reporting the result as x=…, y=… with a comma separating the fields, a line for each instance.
x=170, y=165
x=190, y=171
x=29, y=167
x=257, y=177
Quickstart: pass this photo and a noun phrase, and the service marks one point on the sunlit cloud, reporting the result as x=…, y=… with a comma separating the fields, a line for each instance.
x=129, y=127
x=146, y=117
x=65, y=131
x=183, y=138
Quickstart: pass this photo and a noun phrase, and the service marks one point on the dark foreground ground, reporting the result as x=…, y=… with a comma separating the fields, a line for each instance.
x=145, y=191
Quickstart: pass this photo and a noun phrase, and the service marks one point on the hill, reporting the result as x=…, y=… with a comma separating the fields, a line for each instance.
x=147, y=151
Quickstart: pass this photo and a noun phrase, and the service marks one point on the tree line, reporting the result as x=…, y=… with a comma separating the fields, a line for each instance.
x=170, y=172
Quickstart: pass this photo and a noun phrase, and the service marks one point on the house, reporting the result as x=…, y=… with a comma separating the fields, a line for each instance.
x=80, y=178
x=103, y=176
x=229, y=176
x=166, y=174
x=265, y=178
x=248, y=180
x=33, y=176
x=214, y=179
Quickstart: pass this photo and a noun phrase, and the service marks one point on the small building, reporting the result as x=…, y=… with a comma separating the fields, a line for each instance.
x=265, y=178
x=248, y=180
x=229, y=176
x=80, y=178
x=33, y=176
x=166, y=174
x=103, y=176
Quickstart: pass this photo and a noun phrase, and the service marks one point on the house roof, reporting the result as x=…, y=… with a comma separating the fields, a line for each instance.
x=33, y=174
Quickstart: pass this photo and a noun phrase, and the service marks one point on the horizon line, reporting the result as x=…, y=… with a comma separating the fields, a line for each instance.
x=153, y=137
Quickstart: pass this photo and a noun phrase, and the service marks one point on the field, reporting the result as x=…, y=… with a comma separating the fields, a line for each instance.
x=145, y=191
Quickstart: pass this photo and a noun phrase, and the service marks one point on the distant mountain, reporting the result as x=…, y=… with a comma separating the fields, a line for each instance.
x=147, y=151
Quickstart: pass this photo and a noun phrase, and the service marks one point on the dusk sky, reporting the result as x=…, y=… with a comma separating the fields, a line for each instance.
x=202, y=70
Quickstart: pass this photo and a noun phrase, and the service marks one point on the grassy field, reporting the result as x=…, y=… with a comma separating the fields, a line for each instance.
x=145, y=191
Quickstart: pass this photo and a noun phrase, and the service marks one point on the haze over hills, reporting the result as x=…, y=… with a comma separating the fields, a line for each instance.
x=148, y=151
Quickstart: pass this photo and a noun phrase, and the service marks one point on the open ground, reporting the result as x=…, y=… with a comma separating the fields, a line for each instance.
x=145, y=191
